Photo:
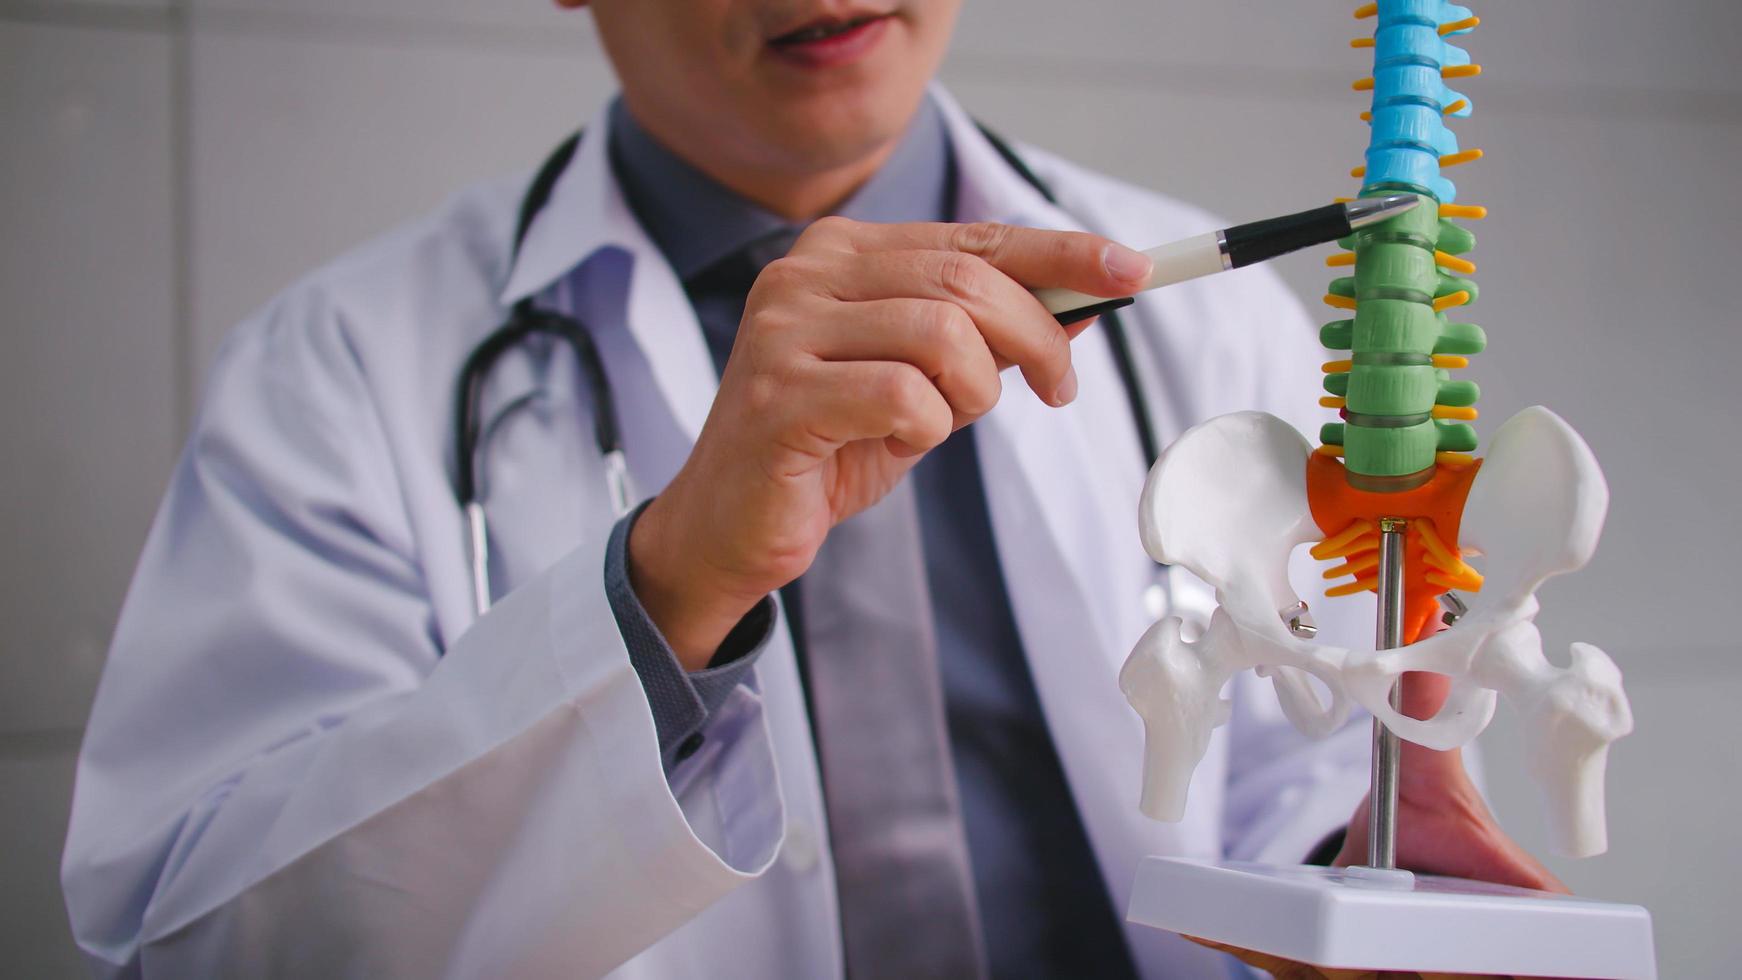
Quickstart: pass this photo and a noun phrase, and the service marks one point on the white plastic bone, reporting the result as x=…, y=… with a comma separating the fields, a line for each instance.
x=1228, y=501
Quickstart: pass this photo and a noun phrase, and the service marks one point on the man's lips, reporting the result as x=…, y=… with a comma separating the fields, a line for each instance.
x=822, y=29
x=832, y=42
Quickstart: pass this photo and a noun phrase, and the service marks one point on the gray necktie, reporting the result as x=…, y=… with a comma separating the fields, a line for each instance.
x=871, y=665
x=906, y=890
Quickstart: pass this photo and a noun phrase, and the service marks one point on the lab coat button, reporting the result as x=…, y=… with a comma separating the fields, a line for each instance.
x=800, y=850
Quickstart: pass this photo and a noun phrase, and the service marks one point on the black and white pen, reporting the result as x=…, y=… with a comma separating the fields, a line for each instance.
x=1232, y=248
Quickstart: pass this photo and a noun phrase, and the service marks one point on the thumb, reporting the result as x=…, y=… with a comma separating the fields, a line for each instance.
x=1423, y=694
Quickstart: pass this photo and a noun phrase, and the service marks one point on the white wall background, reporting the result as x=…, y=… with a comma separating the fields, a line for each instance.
x=165, y=165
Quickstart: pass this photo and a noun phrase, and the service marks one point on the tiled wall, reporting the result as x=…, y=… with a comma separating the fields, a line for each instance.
x=167, y=165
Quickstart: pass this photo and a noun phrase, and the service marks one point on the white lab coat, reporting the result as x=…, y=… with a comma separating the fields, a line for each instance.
x=308, y=757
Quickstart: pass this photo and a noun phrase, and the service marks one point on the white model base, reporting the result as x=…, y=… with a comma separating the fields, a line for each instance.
x=1332, y=917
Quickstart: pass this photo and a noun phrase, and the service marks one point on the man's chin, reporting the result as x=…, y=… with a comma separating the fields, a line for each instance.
x=825, y=134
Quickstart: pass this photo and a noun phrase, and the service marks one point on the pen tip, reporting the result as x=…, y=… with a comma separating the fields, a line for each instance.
x=1367, y=210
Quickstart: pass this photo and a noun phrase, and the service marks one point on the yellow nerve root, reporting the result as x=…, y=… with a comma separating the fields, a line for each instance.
x=1452, y=262
x=1359, y=545
x=1354, y=566
x=1448, y=301
x=1474, y=212
x=1358, y=536
x=1354, y=588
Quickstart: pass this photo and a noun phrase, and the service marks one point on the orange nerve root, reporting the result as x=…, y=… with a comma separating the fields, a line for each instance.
x=1349, y=518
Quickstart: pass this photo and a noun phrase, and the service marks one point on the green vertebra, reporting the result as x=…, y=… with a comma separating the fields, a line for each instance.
x=1392, y=385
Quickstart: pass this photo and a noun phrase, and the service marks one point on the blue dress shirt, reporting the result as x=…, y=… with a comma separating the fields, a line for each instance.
x=1045, y=908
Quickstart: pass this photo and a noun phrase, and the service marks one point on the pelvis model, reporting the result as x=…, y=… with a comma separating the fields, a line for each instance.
x=1233, y=497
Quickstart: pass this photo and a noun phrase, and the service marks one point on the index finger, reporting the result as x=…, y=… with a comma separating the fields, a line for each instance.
x=1035, y=257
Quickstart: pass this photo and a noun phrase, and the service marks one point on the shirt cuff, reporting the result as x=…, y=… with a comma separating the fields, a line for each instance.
x=682, y=701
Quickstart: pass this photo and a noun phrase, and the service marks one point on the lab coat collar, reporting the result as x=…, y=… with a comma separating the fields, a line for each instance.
x=588, y=219
x=576, y=220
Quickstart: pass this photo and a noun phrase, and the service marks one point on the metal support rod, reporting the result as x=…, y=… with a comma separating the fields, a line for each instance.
x=1382, y=795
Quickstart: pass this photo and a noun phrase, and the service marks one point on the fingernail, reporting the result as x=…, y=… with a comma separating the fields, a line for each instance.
x=1067, y=390
x=1126, y=265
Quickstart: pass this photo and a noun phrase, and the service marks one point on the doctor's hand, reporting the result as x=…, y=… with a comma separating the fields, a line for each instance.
x=866, y=346
x=1443, y=825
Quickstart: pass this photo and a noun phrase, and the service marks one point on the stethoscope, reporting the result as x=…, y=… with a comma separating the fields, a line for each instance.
x=526, y=319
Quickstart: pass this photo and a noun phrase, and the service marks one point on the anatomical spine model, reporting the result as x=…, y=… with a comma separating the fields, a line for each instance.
x=1234, y=496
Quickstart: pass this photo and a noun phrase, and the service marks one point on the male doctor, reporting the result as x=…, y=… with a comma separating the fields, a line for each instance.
x=839, y=697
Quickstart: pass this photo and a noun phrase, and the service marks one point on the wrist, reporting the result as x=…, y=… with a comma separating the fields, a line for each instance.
x=693, y=609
